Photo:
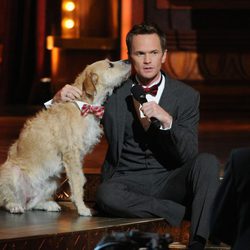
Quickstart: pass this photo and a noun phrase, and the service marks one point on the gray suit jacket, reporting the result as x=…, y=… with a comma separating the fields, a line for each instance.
x=180, y=143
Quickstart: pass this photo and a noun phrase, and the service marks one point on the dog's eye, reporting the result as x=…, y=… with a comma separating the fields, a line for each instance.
x=111, y=65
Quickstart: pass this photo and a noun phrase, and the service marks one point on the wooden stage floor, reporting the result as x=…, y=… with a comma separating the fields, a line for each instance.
x=41, y=223
x=39, y=230
x=65, y=229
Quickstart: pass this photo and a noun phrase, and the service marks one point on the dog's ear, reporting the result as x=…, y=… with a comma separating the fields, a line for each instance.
x=89, y=83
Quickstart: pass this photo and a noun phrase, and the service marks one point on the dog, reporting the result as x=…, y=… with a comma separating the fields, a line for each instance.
x=56, y=140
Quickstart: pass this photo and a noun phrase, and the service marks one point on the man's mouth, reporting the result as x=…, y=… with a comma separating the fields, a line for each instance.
x=148, y=68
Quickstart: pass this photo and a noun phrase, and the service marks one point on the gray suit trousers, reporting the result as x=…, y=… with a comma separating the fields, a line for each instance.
x=187, y=192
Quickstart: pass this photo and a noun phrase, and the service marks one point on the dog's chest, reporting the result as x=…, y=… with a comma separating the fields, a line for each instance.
x=91, y=131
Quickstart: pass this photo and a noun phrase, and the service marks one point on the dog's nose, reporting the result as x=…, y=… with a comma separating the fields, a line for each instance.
x=126, y=61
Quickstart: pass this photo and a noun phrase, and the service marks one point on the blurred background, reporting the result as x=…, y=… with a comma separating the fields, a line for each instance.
x=45, y=44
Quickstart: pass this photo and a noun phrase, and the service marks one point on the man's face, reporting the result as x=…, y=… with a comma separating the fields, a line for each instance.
x=147, y=57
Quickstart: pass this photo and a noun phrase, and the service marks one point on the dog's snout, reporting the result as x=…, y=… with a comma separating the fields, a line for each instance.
x=126, y=61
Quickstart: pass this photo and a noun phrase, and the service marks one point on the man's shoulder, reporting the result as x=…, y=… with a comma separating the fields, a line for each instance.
x=128, y=82
x=120, y=92
x=180, y=86
x=125, y=86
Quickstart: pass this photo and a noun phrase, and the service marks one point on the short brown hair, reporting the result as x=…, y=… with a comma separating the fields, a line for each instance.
x=143, y=29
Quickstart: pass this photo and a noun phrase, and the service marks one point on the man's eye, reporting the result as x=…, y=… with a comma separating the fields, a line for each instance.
x=111, y=65
x=155, y=52
x=139, y=53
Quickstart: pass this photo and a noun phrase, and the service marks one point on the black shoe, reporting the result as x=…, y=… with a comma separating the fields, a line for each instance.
x=198, y=243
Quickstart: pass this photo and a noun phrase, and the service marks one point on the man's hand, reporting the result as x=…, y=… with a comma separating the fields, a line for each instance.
x=152, y=109
x=67, y=93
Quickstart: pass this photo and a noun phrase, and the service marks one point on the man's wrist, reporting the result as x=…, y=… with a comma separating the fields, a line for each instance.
x=168, y=124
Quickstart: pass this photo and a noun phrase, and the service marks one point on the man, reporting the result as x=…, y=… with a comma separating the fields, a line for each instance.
x=152, y=171
x=231, y=213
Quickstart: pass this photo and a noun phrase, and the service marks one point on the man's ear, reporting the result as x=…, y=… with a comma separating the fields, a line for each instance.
x=89, y=84
x=164, y=56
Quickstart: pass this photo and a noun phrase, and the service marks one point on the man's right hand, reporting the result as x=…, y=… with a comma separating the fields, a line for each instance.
x=67, y=93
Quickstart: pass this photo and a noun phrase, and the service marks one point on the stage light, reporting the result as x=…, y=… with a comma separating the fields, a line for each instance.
x=68, y=23
x=70, y=18
x=69, y=6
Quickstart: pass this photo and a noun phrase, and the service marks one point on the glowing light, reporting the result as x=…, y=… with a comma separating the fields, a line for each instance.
x=69, y=6
x=68, y=23
x=50, y=42
x=70, y=18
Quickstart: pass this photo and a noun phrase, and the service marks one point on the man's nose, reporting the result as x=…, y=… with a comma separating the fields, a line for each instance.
x=147, y=58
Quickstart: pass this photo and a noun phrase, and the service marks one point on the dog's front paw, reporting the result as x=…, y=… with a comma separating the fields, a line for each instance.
x=15, y=208
x=85, y=212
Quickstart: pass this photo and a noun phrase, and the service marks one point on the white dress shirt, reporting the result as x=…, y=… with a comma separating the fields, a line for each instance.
x=157, y=97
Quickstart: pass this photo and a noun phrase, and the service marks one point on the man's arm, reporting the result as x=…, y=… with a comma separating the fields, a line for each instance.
x=181, y=141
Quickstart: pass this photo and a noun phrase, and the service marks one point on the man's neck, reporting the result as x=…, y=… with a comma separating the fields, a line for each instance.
x=149, y=82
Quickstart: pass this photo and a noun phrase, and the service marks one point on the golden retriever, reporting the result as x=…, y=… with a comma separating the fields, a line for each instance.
x=56, y=139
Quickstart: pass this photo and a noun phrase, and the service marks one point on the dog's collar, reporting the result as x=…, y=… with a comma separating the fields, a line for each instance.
x=80, y=104
x=98, y=110
x=86, y=108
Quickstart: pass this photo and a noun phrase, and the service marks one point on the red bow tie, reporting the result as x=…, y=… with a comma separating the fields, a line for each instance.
x=151, y=90
x=98, y=111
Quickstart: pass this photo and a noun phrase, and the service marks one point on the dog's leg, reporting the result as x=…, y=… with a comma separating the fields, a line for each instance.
x=77, y=180
x=12, y=203
x=11, y=193
x=42, y=202
x=50, y=206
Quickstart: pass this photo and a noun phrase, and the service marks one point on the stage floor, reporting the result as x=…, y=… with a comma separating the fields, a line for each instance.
x=67, y=230
x=38, y=223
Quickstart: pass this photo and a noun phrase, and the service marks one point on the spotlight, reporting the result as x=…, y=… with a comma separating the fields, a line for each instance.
x=70, y=18
x=68, y=23
x=69, y=6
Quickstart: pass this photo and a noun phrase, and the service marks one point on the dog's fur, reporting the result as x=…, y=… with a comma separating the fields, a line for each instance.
x=56, y=139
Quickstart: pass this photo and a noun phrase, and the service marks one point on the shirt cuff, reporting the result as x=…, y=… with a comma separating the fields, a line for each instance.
x=167, y=128
x=48, y=104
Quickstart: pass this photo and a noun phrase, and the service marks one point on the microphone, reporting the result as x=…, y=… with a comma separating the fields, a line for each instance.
x=138, y=93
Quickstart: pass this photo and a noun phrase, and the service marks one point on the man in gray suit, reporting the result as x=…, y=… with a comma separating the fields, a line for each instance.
x=152, y=167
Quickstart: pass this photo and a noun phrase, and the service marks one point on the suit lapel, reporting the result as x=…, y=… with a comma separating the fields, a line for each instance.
x=168, y=99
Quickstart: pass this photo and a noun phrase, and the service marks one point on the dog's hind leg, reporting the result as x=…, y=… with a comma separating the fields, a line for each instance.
x=11, y=203
x=42, y=202
x=50, y=206
x=11, y=193
x=73, y=166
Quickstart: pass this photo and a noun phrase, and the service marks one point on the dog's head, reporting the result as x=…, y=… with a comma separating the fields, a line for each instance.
x=100, y=78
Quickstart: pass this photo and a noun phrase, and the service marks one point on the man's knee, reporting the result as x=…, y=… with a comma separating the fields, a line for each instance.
x=208, y=164
x=103, y=194
x=108, y=195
